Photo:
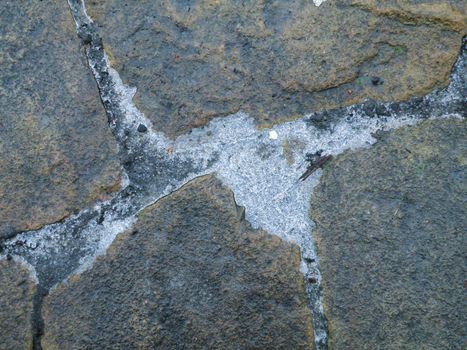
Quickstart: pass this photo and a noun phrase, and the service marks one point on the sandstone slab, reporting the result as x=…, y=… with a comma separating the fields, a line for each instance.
x=192, y=61
x=56, y=151
x=391, y=239
x=17, y=290
x=191, y=274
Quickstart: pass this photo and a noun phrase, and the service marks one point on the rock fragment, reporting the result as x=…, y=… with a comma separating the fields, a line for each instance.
x=142, y=128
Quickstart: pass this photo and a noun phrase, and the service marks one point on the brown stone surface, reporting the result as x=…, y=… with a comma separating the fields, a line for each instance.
x=56, y=151
x=391, y=238
x=195, y=60
x=450, y=14
x=190, y=274
x=16, y=293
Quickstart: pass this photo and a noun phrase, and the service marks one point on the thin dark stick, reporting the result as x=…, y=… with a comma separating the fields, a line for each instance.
x=315, y=166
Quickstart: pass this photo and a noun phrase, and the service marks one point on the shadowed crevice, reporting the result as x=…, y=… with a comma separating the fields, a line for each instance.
x=37, y=322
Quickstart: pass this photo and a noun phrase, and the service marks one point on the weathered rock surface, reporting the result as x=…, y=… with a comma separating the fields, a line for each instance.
x=191, y=274
x=450, y=14
x=391, y=237
x=56, y=151
x=16, y=304
x=194, y=60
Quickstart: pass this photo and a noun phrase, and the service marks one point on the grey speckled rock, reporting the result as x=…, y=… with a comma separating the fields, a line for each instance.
x=16, y=293
x=190, y=275
x=56, y=151
x=195, y=60
x=391, y=237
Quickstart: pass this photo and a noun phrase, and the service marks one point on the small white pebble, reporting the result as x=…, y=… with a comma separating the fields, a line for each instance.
x=273, y=135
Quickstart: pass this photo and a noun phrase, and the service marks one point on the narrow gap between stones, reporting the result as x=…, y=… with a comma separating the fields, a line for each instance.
x=37, y=322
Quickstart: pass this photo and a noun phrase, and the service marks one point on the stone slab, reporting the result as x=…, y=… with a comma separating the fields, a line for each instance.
x=191, y=274
x=57, y=154
x=192, y=61
x=390, y=227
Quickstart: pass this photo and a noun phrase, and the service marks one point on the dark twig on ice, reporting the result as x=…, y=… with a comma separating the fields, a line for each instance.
x=316, y=161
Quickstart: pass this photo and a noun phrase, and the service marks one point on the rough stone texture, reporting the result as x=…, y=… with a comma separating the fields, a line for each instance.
x=449, y=13
x=194, y=60
x=56, y=152
x=391, y=238
x=16, y=304
x=191, y=274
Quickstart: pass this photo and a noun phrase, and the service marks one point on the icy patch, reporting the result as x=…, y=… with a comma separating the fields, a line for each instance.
x=254, y=166
x=72, y=246
x=133, y=116
x=101, y=239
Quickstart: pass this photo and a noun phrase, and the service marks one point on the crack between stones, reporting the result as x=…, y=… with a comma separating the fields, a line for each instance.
x=37, y=321
x=100, y=66
x=96, y=58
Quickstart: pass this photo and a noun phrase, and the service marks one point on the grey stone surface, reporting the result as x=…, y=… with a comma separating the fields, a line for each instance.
x=190, y=274
x=17, y=289
x=192, y=61
x=390, y=228
x=56, y=151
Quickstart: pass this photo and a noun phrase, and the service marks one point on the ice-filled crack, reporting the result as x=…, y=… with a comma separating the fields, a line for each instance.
x=261, y=167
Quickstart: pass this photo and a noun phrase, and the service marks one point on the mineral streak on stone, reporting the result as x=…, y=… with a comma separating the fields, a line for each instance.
x=192, y=61
x=56, y=152
x=190, y=274
x=17, y=289
x=390, y=228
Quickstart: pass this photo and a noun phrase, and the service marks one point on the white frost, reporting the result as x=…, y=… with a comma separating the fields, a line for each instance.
x=318, y=2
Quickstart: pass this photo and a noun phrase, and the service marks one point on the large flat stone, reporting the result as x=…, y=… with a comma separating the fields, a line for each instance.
x=195, y=60
x=191, y=274
x=56, y=151
x=390, y=229
x=17, y=290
